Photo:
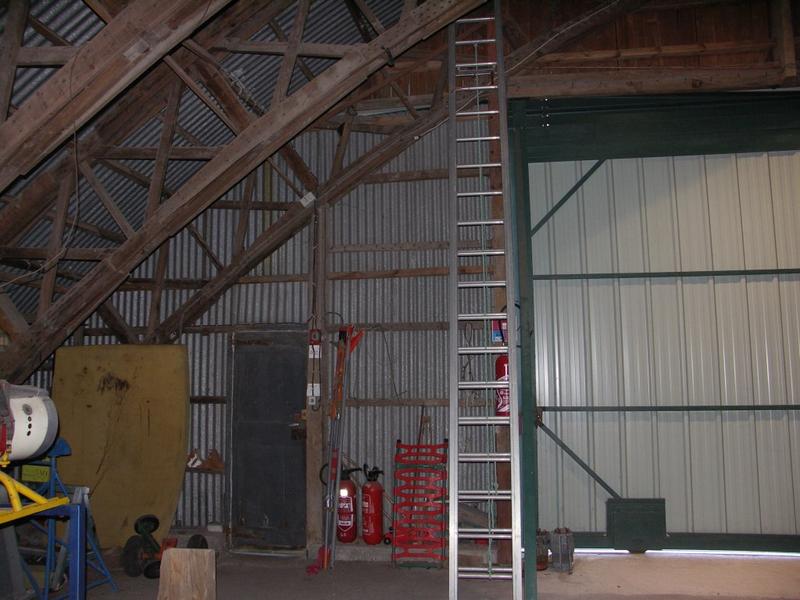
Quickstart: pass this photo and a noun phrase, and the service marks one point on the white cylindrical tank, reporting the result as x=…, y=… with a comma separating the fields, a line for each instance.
x=35, y=420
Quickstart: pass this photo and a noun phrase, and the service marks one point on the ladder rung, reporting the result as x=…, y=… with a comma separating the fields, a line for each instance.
x=480, y=166
x=472, y=42
x=485, y=420
x=483, y=495
x=477, y=74
x=483, y=350
x=482, y=138
x=484, y=573
x=474, y=20
x=471, y=457
x=483, y=223
x=474, y=65
x=476, y=88
x=484, y=534
x=483, y=193
x=482, y=316
x=481, y=284
x=481, y=252
x=482, y=385
x=476, y=113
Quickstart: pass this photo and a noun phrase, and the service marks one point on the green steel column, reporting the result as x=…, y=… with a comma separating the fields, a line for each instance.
x=527, y=384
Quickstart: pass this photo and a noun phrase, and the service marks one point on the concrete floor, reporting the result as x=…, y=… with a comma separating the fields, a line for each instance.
x=653, y=575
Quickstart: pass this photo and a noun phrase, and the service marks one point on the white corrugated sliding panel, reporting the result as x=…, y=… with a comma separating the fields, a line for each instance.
x=671, y=341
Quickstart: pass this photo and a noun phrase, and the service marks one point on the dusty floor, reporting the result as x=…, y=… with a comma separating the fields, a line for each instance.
x=653, y=575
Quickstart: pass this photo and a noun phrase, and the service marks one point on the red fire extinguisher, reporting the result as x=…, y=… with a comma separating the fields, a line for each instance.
x=346, y=518
x=502, y=406
x=372, y=507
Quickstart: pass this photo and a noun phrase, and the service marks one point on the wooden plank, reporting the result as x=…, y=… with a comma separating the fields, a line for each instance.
x=45, y=56
x=652, y=52
x=249, y=149
x=106, y=200
x=648, y=81
x=122, y=51
x=783, y=34
x=314, y=50
x=79, y=254
x=55, y=244
x=287, y=66
x=150, y=152
x=550, y=40
x=12, y=322
x=240, y=235
x=10, y=43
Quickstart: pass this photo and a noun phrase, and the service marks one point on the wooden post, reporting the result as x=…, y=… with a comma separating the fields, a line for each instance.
x=9, y=48
x=315, y=438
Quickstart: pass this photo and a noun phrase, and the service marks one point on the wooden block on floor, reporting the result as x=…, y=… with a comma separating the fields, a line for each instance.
x=188, y=573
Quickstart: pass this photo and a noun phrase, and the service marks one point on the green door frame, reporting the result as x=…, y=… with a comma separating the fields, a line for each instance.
x=542, y=130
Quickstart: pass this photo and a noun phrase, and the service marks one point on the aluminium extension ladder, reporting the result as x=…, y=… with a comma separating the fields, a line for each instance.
x=481, y=280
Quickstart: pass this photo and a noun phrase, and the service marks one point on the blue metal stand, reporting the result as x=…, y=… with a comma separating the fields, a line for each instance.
x=76, y=542
x=94, y=559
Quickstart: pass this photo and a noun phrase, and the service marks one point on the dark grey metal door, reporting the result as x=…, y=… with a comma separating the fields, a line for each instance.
x=268, y=484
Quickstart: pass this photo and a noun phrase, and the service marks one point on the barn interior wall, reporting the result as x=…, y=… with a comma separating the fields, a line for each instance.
x=671, y=341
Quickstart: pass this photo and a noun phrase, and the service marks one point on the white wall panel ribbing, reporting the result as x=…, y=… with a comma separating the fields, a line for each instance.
x=671, y=341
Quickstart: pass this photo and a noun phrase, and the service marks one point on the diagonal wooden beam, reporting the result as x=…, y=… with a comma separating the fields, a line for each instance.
x=106, y=200
x=55, y=243
x=154, y=194
x=9, y=48
x=117, y=323
x=122, y=51
x=293, y=221
x=551, y=40
x=262, y=138
x=12, y=322
x=47, y=33
x=287, y=66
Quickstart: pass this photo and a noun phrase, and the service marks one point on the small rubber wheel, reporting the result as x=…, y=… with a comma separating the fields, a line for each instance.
x=152, y=570
x=132, y=556
x=198, y=540
x=146, y=524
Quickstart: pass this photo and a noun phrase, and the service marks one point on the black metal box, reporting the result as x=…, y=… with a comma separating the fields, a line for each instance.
x=636, y=524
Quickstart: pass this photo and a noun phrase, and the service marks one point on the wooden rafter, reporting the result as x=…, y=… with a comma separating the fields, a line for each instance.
x=294, y=220
x=134, y=109
x=251, y=147
x=129, y=45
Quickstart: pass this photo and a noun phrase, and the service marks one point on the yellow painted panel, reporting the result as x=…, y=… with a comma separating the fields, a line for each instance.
x=124, y=409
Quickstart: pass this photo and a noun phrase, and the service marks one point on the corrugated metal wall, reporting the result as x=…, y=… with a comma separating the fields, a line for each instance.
x=687, y=341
